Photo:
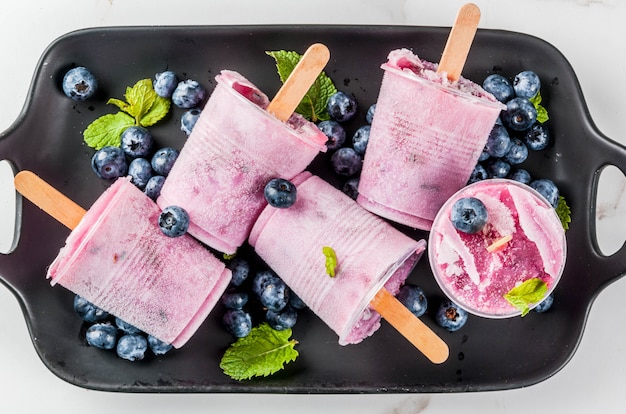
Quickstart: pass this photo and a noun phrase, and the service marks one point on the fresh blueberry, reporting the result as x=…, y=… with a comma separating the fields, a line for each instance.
x=273, y=293
x=280, y=193
x=519, y=115
x=526, y=84
x=237, y=322
x=548, y=189
x=497, y=168
x=341, y=106
x=545, y=304
x=102, y=335
x=351, y=187
x=240, y=269
x=284, y=319
x=414, y=298
x=295, y=301
x=345, y=161
x=450, y=316
x=188, y=120
x=163, y=161
x=109, y=163
x=360, y=139
x=165, y=83
x=157, y=346
x=136, y=141
x=484, y=156
x=126, y=327
x=469, y=215
x=479, y=174
x=261, y=280
x=153, y=187
x=132, y=347
x=140, y=172
x=518, y=152
x=232, y=299
x=174, y=221
x=334, y=132
x=498, y=142
x=499, y=87
x=88, y=311
x=188, y=94
x=538, y=137
x=79, y=84
x=520, y=175
x=369, y=116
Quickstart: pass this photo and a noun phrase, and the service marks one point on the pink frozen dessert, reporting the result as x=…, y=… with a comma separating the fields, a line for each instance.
x=234, y=149
x=118, y=258
x=370, y=254
x=425, y=140
x=522, y=240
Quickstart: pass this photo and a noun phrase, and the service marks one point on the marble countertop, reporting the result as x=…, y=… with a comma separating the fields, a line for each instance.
x=590, y=33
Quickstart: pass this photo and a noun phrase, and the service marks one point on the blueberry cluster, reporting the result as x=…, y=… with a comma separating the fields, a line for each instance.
x=108, y=332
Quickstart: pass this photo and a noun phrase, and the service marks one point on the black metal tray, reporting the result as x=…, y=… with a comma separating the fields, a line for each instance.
x=485, y=354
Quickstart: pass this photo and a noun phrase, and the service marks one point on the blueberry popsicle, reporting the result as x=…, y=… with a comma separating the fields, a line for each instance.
x=118, y=258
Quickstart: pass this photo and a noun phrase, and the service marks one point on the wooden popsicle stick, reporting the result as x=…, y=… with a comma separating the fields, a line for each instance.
x=411, y=327
x=48, y=198
x=299, y=81
x=459, y=41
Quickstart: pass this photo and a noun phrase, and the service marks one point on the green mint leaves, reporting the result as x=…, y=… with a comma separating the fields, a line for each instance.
x=263, y=352
x=564, y=212
x=313, y=105
x=331, y=260
x=142, y=107
x=542, y=112
x=524, y=295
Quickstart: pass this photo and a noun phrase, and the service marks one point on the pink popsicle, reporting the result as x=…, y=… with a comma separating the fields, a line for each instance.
x=477, y=278
x=235, y=148
x=426, y=137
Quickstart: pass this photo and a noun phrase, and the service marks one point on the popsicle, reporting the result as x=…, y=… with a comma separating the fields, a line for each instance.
x=373, y=261
x=430, y=127
x=118, y=258
x=239, y=143
x=523, y=239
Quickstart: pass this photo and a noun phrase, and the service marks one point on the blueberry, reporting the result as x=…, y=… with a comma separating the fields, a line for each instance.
x=345, y=161
x=132, y=347
x=497, y=168
x=262, y=279
x=478, y=174
x=157, y=346
x=520, y=175
x=88, y=311
x=280, y=193
x=136, y=141
x=102, y=335
x=499, y=87
x=273, y=293
x=369, y=116
x=79, y=84
x=188, y=120
x=450, y=316
x=237, y=322
x=109, y=163
x=469, y=215
x=547, y=189
x=484, y=156
x=163, y=161
x=538, y=137
x=526, y=84
x=519, y=115
x=153, y=186
x=334, y=132
x=518, y=152
x=545, y=304
x=295, y=301
x=414, y=298
x=188, y=94
x=232, y=299
x=341, y=106
x=498, y=142
x=240, y=269
x=351, y=187
x=360, y=139
x=126, y=327
x=140, y=172
x=284, y=319
x=174, y=221
x=165, y=83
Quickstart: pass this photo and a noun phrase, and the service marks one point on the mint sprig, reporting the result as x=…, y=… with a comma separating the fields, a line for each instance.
x=529, y=292
x=331, y=260
x=564, y=212
x=542, y=112
x=263, y=352
x=314, y=104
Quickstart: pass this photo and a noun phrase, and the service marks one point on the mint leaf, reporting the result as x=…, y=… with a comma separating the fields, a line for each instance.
x=263, y=352
x=564, y=212
x=140, y=99
x=160, y=107
x=527, y=293
x=542, y=112
x=313, y=104
x=107, y=130
x=331, y=260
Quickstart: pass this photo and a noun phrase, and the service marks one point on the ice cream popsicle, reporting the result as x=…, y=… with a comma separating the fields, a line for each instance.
x=239, y=143
x=426, y=137
x=372, y=257
x=118, y=258
x=523, y=239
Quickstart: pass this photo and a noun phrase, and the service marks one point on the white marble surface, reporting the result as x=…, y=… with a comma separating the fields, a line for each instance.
x=590, y=33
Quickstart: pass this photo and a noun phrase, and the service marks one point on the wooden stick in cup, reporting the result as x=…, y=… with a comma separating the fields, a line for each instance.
x=459, y=41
